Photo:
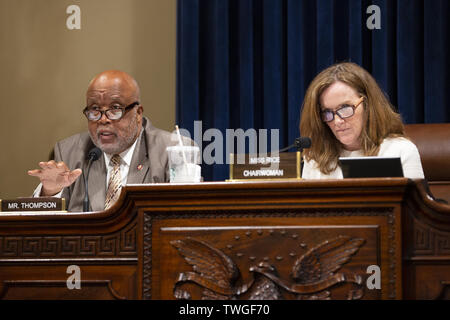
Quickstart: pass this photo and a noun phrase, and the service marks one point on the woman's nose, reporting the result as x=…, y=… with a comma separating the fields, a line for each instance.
x=338, y=120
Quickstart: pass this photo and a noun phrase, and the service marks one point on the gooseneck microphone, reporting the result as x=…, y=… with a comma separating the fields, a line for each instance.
x=300, y=143
x=93, y=155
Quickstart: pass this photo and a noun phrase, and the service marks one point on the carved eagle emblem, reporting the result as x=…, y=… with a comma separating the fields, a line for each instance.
x=312, y=273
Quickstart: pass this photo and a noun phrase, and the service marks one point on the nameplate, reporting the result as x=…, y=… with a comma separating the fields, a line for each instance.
x=275, y=166
x=34, y=204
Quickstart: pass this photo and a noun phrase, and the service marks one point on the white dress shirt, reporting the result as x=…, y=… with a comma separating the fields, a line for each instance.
x=390, y=147
x=125, y=161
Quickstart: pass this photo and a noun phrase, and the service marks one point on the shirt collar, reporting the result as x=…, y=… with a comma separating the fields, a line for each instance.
x=124, y=155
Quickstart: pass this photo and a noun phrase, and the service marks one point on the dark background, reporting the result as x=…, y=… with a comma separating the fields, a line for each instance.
x=247, y=63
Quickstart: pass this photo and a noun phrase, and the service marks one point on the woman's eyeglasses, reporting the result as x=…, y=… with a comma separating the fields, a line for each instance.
x=345, y=111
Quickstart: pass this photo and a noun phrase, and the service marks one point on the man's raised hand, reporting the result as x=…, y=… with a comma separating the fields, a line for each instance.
x=54, y=176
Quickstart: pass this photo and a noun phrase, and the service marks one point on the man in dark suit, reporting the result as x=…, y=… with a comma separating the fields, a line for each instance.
x=133, y=151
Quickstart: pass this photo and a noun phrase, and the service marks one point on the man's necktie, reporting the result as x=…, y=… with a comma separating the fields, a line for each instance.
x=115, y=182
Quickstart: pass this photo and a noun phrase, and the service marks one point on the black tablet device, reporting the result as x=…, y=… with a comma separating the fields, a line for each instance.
x=371, y=167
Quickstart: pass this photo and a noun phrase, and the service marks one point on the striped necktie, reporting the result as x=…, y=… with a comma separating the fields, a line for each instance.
x=115, y=182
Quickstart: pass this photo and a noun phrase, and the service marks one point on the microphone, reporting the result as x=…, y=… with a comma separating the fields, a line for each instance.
x=300, y=143
x=93, y=155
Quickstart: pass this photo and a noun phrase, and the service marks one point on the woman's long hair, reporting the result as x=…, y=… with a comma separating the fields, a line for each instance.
x=380, y=119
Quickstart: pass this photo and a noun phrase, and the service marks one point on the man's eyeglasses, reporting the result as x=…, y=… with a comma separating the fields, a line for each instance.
x=345, y=111
x=114, y=113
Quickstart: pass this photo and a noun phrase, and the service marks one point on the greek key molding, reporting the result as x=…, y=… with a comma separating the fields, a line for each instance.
x=429, y=241
x=118, y=244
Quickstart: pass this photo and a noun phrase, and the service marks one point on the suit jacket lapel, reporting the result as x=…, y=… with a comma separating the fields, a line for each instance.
x=139, y=165
x=97, y=184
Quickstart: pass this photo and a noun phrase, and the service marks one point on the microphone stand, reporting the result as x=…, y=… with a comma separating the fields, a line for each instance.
x=86, y=195
x=297, y=144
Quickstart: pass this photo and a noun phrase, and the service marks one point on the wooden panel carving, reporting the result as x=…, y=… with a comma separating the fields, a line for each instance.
x=313, y=273
x=57, y=289
x=261, y=255
x=147, y=263
x=48, y=280
x=429, y=241
x=268, y=238
x=118, y=244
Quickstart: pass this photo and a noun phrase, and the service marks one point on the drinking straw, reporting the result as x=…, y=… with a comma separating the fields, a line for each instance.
x=181, y=144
